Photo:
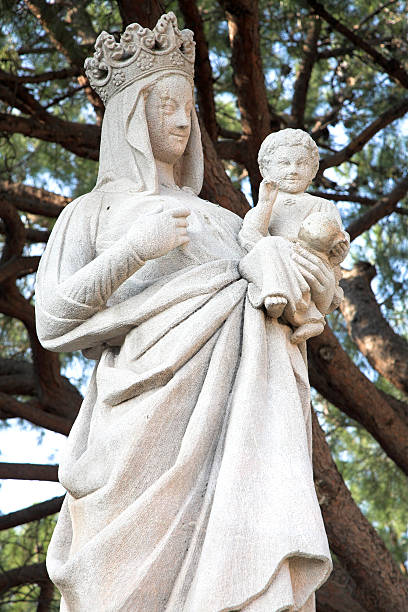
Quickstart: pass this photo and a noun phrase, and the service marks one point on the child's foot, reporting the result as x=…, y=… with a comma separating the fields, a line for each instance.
x=306, y=331
x=275, y=305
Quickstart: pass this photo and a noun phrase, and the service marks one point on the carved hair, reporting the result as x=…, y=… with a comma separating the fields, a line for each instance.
x=288, y=138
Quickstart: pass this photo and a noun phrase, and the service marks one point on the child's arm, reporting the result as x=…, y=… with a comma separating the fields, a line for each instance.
x=256, y=222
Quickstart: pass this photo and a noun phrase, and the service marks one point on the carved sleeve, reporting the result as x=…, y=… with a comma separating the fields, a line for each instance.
x=90, y=287
x=73, y=283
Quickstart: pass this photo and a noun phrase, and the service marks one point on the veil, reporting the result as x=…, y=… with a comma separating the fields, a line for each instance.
x=126, y=158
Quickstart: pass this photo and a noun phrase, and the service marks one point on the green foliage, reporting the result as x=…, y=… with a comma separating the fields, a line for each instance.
x=46, y=164
x=22, y=546
x=14, y=341
x=376, y=484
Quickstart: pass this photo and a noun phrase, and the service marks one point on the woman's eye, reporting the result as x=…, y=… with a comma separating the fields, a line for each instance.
x=169, y=107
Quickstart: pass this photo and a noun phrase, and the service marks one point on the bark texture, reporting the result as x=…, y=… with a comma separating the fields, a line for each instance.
x=29, y=471
x=30, y=514
x=335, y=376
x=353, y=539
x=386, y=351
x=32, y=388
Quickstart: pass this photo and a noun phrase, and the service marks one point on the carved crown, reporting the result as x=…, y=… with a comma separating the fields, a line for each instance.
x=140, y=52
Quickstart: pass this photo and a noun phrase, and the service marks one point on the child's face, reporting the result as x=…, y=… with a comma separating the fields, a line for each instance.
x=290, y=167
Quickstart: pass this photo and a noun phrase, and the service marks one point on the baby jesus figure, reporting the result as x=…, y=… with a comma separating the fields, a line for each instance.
x=289, y=235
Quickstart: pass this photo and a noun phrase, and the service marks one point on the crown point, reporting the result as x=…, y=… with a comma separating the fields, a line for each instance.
x=140, y=52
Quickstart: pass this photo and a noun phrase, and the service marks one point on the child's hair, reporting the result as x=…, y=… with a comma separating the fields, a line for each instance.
x=290, y=138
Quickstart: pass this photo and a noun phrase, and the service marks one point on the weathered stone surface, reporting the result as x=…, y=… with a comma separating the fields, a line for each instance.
x=188, y=469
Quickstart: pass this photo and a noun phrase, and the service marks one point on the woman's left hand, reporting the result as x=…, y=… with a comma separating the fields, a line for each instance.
x=318, y=276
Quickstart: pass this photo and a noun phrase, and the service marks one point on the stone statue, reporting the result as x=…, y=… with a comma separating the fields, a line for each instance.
x=188, y=470
x=288, y=161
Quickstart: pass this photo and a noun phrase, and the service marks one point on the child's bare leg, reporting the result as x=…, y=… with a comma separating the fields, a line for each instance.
x=306, y=331
x=275, y=305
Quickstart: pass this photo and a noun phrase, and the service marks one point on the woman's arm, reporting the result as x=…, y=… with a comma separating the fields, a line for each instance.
x=73, y=284
x=150, y=237
x=318, y=276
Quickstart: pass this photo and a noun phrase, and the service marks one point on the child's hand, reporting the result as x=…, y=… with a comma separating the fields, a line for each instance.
x=268, y=190
x=159, y=233
x=256, y=222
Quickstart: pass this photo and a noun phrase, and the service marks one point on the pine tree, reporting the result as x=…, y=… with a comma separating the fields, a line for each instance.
x=338, y=71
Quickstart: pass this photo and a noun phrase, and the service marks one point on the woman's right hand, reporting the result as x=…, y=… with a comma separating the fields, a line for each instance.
x=158, y=233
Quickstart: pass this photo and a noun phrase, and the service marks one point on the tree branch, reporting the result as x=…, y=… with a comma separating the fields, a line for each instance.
x=56, y=395
x=145, y=13
x=60, y=32
x=18, y=267
x=380, y=586
x=32, y=513
x=15, y=366
x=64, y=37
x=335, y=52
x=15, y=232
x=384, y=207
x=246, y=61
x=229, y=134
x=33, y=412
x=243, y=27
x=28, y=574
x=338, y=594
x=57, y=402
x=33, y=200
x=345, y=197
x=18, y=96
x=231, y=149
x=46, y=596
x=333, y=374
x=356, y=144
x=33, y=235
x=203, y=72
x=81, y=139
x=391, y=66
x=28, y=471
x=322, y=122
x=16, y=377
x=305, y=72
x=376, y=12
x=385, y=350
x=217, y=185
x=45, y=77
x=18, y=384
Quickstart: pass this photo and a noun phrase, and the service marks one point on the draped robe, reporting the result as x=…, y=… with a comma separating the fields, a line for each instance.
x=188, y=470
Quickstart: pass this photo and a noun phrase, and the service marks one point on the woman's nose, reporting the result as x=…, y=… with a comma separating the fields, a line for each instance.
x=183, y=118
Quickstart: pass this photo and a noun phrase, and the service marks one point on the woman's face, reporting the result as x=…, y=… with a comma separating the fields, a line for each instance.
x=168, y=113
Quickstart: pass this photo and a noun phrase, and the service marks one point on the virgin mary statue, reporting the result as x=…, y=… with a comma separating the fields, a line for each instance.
x=188, y=470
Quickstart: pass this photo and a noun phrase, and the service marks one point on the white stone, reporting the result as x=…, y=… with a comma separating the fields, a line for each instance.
x=188, y=470
x=305, y=285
